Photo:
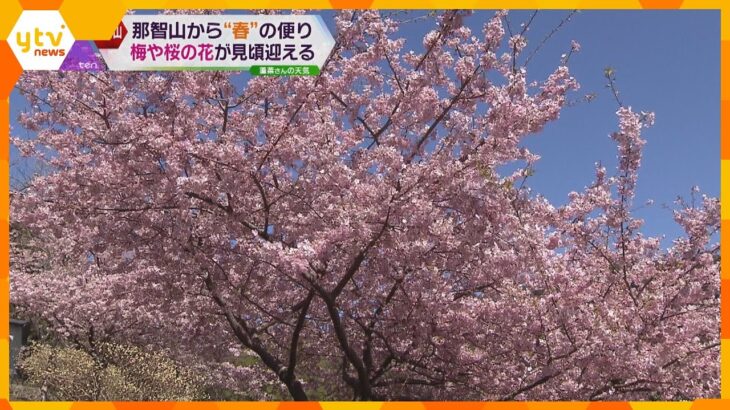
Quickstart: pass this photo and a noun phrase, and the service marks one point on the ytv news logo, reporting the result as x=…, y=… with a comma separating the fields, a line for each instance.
x=40, y=40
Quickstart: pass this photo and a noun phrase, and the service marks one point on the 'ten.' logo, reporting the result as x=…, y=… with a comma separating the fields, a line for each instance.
x=40, y=40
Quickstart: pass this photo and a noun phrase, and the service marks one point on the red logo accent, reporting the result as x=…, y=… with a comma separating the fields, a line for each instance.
x=116, y=39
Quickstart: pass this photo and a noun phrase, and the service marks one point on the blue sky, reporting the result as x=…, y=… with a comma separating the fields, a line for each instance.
x=665, y=61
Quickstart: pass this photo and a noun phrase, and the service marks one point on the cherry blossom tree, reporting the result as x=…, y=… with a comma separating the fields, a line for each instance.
x=354, y=233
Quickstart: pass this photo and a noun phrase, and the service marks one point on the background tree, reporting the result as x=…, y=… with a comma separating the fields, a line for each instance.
x=352, y=232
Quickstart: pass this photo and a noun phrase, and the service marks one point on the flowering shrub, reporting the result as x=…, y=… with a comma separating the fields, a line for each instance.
x=113, y=372
x=352, y=233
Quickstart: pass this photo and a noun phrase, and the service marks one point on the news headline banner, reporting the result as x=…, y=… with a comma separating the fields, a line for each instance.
x=183, y=42
x=269, y=45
